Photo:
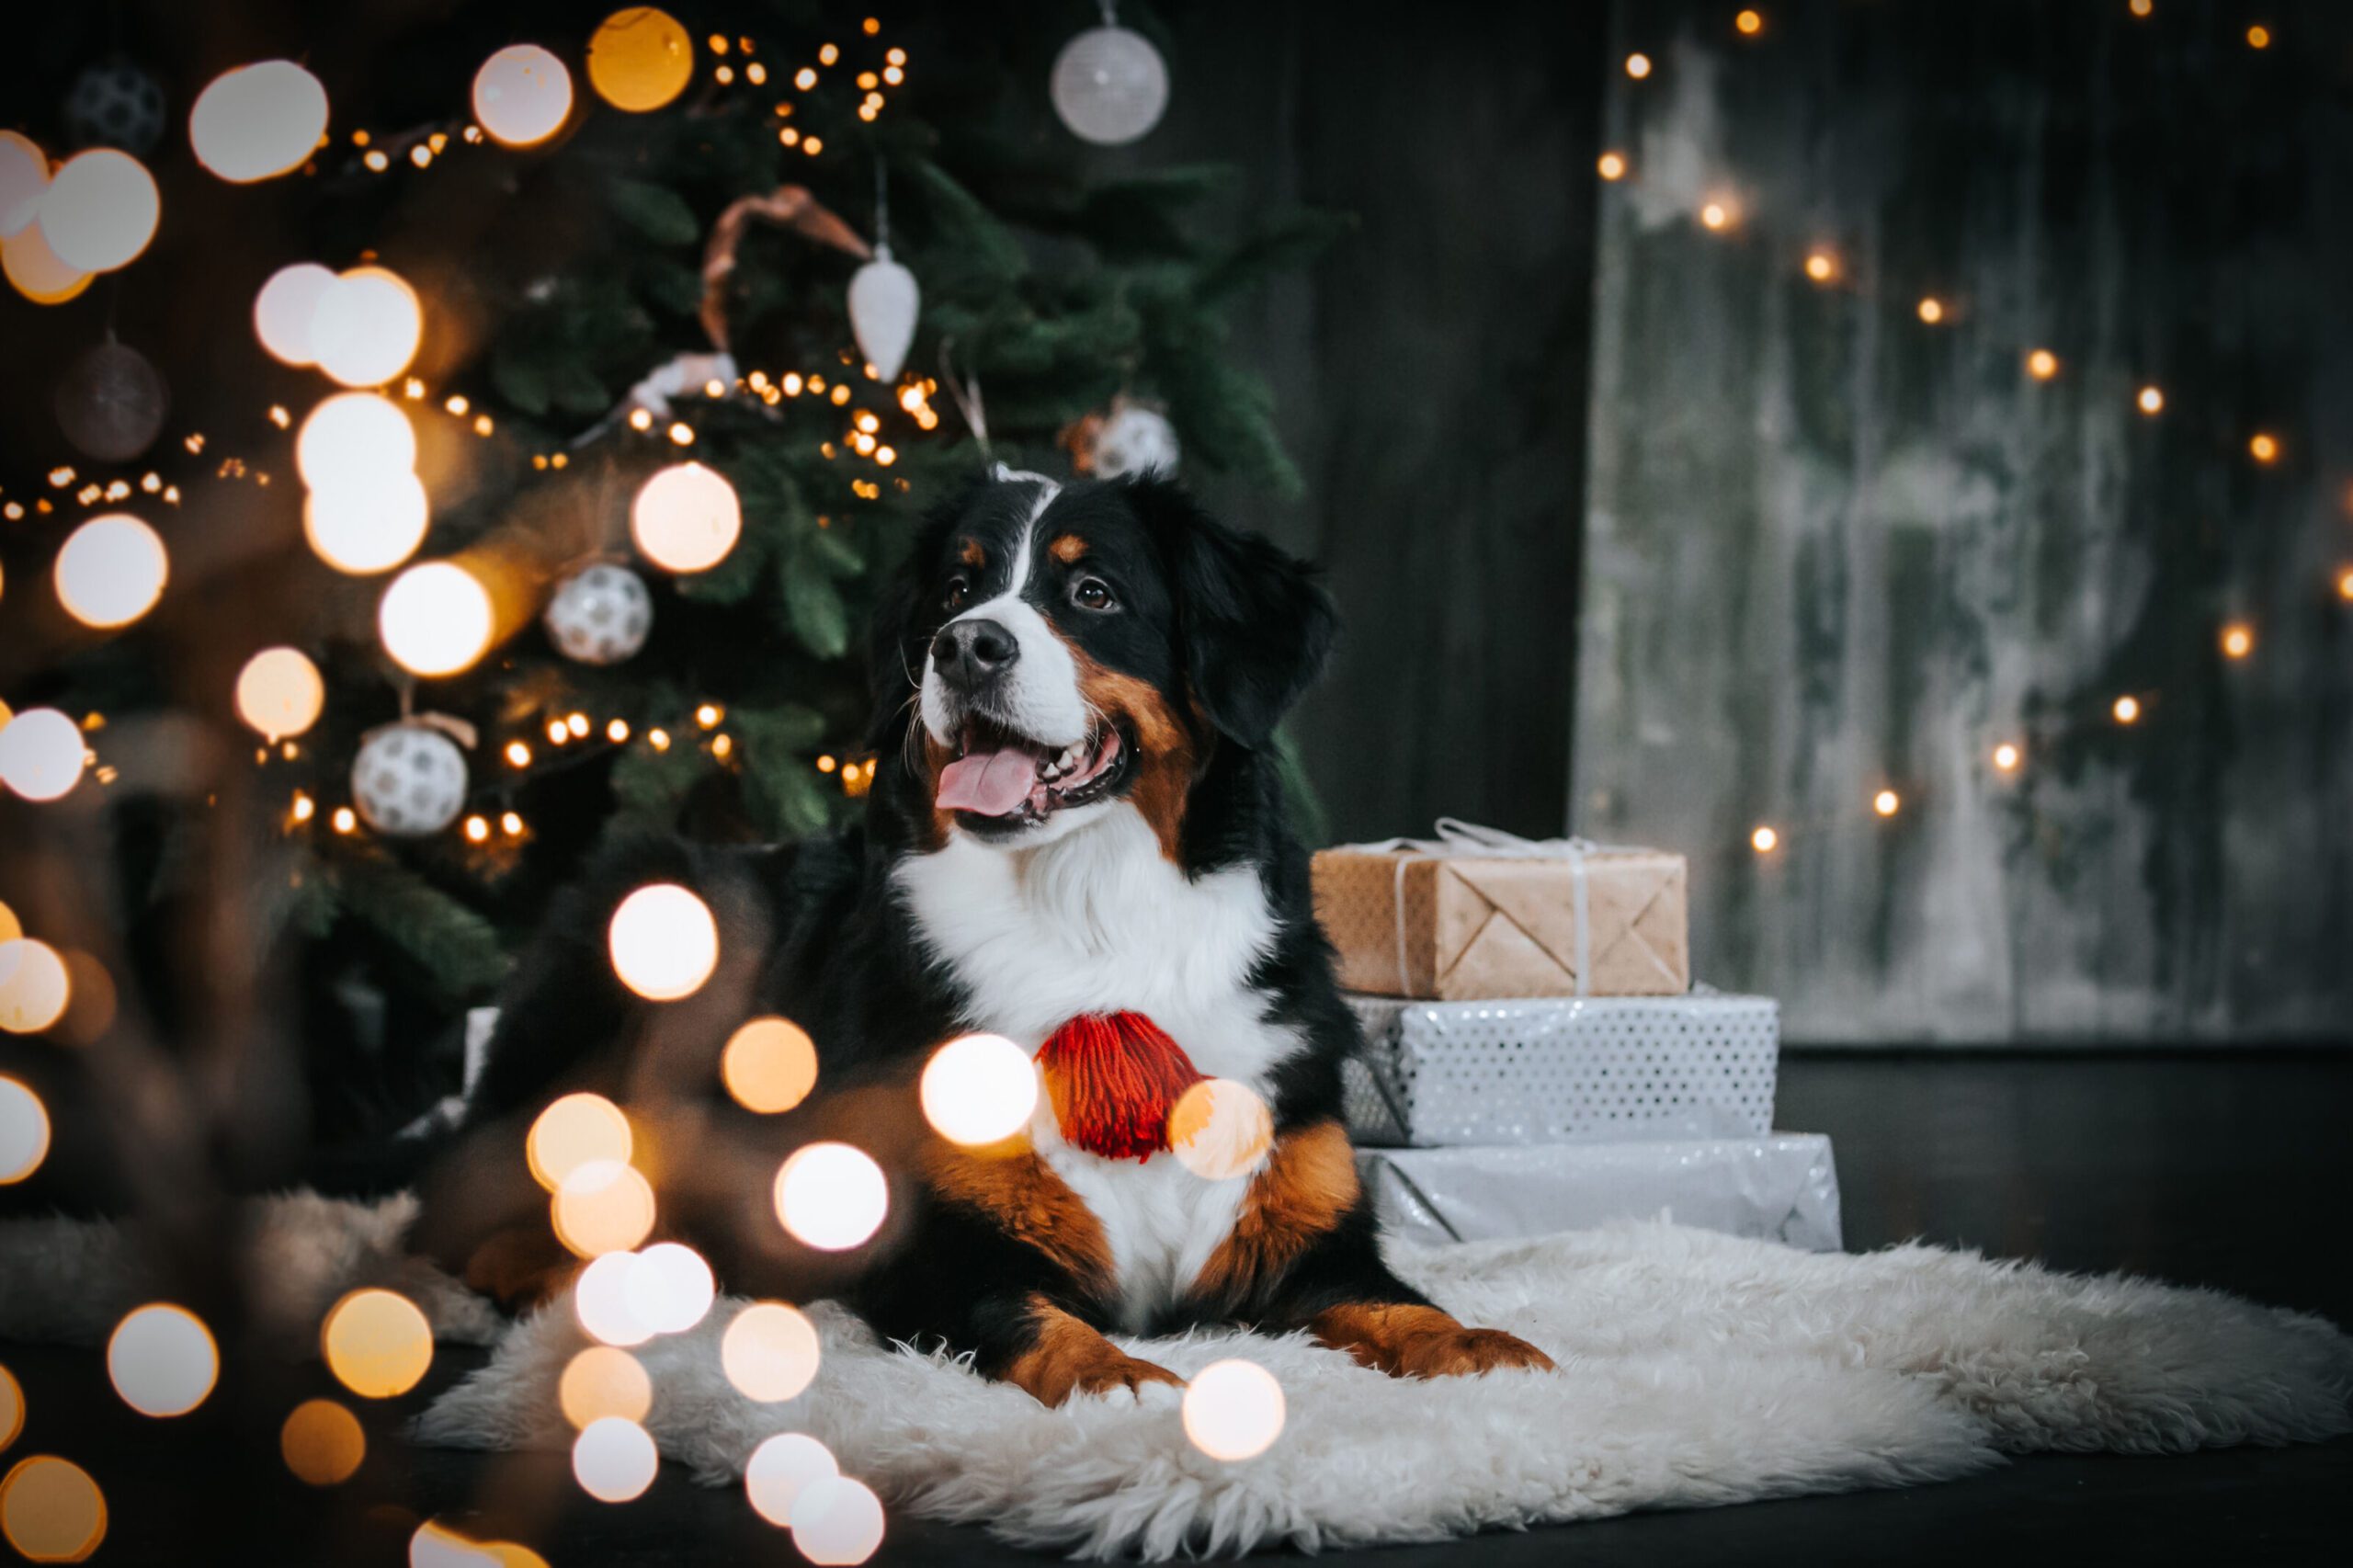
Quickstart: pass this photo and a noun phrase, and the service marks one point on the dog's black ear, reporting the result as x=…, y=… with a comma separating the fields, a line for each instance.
x=1255, y=622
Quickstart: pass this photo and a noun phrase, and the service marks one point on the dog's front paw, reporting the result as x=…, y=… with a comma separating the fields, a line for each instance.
x=1129, y=1375
x=1423, y=1342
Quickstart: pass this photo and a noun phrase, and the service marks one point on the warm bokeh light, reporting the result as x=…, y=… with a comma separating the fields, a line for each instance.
x=435, y=620
x=12, y=1408
x=830, y=1197
x=321, y=1443
x=1821, y=266
x=2151, y=400
x=1764, y=840
x=376, y=1343
x=24, y=1132
x=1932, y=310
x=257, y=122
x=1234, y=1410
x=1612, y=166
x=600, y=1301
x=284, y=309
x=836, y=1522
x=280, y=692
x=603, y=1206
x=2238, y=641
x=770, y=1352
x=639, y=58
x=1220, y=1129
x=769, y=1065
x=355, y=439
x=980, y=1089
x=2006, y=756
x=2042, y=364
x=34, y=985
x=162, y=1359
x=366, y=327
x=2345, y=584
x=614, y=1459
x=686, y=518
x=1715, y=215
x=2127, y=710
x=1750, y=22
x=1887, y=802
x=572, y=1131
x=34, y=270
x=780, y=1468
x=435, y=1545
x=2259, y=37
x=111, y=571
x=24, y=179
x=2263, y=447
x=100, y=210
x=367, y=528
x=40, y=754
x=2142, y=7
x=603, y=1381
x=522, y=95
x=664, y=942
x=1638, y=66
x=51, y=1511
x=670, y=1288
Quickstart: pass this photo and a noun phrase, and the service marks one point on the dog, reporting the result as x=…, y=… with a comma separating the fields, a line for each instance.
x=1074, y=832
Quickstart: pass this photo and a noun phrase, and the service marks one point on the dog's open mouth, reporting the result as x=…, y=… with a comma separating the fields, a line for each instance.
x=1010, y=779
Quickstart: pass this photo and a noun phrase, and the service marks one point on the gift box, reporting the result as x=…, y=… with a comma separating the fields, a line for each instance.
x=1563, y=1069
x=1475, y=912
x=1783, y=1188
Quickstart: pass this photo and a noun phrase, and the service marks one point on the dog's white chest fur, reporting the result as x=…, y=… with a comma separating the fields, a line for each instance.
x=1098, y=921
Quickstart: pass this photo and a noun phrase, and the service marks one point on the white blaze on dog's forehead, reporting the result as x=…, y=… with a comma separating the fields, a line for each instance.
x=1040, y=696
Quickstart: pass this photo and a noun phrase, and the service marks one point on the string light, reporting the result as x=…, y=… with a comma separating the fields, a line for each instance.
x=770, y=1352
x=670, y=1288
x=1932, y=310
x=614, y=1459
x=769, y=1065
x=511, y=823
x=284, y=309
x=279, y=693
x=2263, y=447
x=354, y=439
x=36, y=272
x=377, y=1343
x=830, y=1197
x=639, y=58
x=1749, y=23
x=2259, y=37
x=361, y=529
x=1886, y=803
x=12, y=1408
x=2006, y=756
x=602, y=1380
x=344, y=819
x=24, y=176
x=111, y=571
x=2142, y=7
x=1638, y=66
x=366, y=327
x=979, y=1089
x=2151, y=401
x=477, y=829
x=51, y=1511
x=779, y=1469
x=686, y=518
x=100, y=210
x=162, y=1360
x=836, y=1522
x=664, y=942
x=522, y=95
x=41, y=754
x=2238, y=641
x=2042, y=364
x=618, y=730
x=321, y=1443
x=24, y=1132
x=2127, y=710
x=1763, y=840
x=1234, y=1410
x=603, y=1206
x=600, y=1301
x=1220, y=1129
x=435, y=620
x=1821, y=266
x=2345, y=584
x=257, y=122
x=1715, y=215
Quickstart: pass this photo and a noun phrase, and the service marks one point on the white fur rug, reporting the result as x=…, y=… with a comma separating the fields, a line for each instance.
x=1695, y=1369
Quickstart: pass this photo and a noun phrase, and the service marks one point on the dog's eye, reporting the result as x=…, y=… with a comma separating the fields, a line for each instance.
x=959, y=590
x=1093, y=592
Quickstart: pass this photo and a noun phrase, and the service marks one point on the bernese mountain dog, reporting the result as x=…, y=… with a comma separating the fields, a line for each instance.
x=1075, y=839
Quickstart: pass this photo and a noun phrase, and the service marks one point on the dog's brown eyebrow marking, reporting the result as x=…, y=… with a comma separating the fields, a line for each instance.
x=1068, y=548
x=972, y=555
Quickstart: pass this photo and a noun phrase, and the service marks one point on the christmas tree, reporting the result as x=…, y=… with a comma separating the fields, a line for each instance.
x=604, y=393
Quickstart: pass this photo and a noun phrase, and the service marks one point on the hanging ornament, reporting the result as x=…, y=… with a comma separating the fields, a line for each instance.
x=790, y=205
x=882, y=300
x=409, y=779
x=111, y=402
x=600, y=615
x=1109, y=84
x=115, y=104
x=1126, y=438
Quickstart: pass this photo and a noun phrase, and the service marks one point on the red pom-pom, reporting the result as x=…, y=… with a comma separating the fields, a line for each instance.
x=1114, y=1077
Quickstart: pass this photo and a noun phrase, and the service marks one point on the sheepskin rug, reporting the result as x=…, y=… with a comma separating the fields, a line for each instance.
x=1695, y=1369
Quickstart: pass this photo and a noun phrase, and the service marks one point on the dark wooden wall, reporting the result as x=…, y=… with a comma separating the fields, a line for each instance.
x=1832, y=549
x=1430, y=372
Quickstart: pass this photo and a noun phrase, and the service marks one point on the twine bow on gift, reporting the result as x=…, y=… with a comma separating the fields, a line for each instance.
x=1470, y=839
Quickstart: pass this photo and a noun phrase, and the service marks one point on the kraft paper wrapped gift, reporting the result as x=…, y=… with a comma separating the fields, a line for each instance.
x=1476, y=914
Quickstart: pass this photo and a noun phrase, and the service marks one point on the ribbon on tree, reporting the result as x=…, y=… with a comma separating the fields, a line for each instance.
x=790, y=205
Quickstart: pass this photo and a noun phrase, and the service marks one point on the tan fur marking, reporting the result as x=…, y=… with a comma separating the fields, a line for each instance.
x=1308, y=1184
x=972, y=555
x=1069, y=1358
x=1068, y=548
x=1421, y=1342
x=1018, y=1191
x=1166, y=764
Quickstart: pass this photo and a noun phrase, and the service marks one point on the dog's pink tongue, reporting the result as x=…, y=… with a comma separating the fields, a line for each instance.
x=992, y=783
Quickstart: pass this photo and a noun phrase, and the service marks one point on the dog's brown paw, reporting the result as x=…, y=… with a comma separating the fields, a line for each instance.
x=1423, y=1342
x=1068, y=1357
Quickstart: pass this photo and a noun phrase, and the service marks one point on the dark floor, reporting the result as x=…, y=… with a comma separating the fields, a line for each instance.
x=2226, y=1172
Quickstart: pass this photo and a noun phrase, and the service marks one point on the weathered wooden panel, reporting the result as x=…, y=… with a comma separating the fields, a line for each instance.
x=1833, y=548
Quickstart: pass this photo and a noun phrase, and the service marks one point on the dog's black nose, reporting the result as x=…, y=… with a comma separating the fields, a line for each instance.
x=967, y=652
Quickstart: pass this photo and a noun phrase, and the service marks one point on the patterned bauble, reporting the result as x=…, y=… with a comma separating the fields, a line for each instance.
x=1109, y=84
x=409, y=780
x=111, y=402
x=1131, y=440
x=115, y=104
x=600, y=615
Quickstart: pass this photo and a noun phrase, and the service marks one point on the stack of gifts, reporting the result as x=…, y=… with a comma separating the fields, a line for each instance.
x=1536, y=1058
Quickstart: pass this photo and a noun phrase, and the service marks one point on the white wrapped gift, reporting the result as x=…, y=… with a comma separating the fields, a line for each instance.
x=1557, y=1069
x=1782, y=1187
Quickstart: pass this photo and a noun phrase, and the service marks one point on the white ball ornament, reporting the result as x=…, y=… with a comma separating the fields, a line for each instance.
x=600, y=615
x=1109, y=84
x=1134, y=440
x=408, y=780
x=884, y=300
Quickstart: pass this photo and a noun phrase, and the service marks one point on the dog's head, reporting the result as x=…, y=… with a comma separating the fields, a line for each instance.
x=1073, y=650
